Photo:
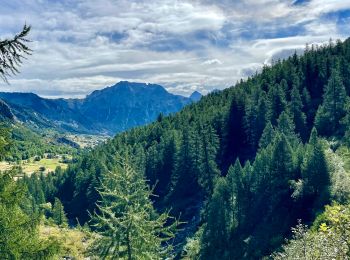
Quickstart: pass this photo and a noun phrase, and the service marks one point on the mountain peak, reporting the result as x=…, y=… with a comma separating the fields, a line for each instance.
x=129, y=87
x=195, y=96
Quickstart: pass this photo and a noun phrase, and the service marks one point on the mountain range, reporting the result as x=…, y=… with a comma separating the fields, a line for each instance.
x=107, y=111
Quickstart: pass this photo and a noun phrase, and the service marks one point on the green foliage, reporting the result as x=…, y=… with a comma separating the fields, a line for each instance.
x=315, y=172
x=266, y=120
x=128, y=226
x=296, y=109
x=19, y=230
x=333, y=109
x=216, y=234
x=267, y=136
x=26, y=144
x=278, y=102
x=12, y=53
x=329, y=238
x=58, y=214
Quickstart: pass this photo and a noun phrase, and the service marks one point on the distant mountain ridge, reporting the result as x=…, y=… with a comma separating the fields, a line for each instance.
x=106, y=111
x=195, y=96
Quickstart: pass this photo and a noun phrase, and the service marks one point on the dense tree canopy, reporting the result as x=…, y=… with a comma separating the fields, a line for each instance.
x=241, y=165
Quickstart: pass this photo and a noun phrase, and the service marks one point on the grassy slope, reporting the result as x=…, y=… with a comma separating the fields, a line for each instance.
x=34, y=166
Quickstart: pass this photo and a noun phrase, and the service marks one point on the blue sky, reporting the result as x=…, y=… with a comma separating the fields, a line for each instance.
x=83, y=45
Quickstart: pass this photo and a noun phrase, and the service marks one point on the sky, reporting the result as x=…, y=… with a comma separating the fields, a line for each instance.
x=83, y=45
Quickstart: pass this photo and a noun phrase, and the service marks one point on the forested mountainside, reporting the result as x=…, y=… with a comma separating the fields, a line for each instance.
x=107, y=111
x=241, y=166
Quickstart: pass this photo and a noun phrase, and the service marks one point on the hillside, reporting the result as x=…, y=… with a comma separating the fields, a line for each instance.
x=107, y=111
x=241, y=166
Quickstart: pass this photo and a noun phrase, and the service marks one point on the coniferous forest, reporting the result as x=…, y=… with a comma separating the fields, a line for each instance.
x=258, y=170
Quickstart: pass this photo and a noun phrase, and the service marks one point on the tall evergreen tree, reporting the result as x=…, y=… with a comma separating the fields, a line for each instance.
x=58, y=214
x=128, y=226
x=235, y=180
x=185, y=178
x=267, y=136
x=235, y=137
x=315, y=172
x=282, y=168
x=286, y=125
x=277, y=101
x=208, y=168
x=216, y=234
x=256, y=117
x=296, y=109
x=333, y=109
x=346, y=125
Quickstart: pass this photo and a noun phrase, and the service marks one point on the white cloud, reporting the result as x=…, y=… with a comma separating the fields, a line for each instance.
x=83, y=45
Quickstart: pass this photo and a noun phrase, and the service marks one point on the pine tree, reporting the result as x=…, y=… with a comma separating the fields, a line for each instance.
x=235, y=180
x=286, y=125
x=298, y=116
x=216, y=234
x=58, y=214
x=267, y=136
x=256, y=117
x=333, y=109
x=277, y=101
x=282, y=167
x=19, y=230
x=185, y=178
x=315, y=172
x=168, y=150
x=208, y=168
x=128, y=226
x=234, y=134
x=346, y=125
x=12, y=53
x=308, y=109
x=5, y=140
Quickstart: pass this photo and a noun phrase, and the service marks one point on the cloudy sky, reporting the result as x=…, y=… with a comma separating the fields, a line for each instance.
x=83, y=45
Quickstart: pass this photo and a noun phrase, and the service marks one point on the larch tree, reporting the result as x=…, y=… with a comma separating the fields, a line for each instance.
x=216, y=234
x=127, y=224
x=58, y=214
x=315, y=172
x=12, y=53
x=296, y=109
x=333, y=109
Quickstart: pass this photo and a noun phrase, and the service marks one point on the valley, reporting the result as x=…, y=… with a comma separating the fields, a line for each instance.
x=103, y=112
x=96, y=163
x=34, y=165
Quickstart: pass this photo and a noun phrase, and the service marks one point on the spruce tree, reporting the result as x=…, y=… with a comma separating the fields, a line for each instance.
x=282, y=168
x=209, y=170
x=235, y=180
x=216, y=234
x=298, y=116
x=127, y=224
x=346, y=125
x=278, y=104
x=315, y=171
x=185, y=178
x=286, y=125
x=267, y=136
x=234, y=134
x=256, y=116
x=333, y=109
x=58, y=214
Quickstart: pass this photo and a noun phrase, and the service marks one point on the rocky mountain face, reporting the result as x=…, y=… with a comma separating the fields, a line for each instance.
x=107, y=111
